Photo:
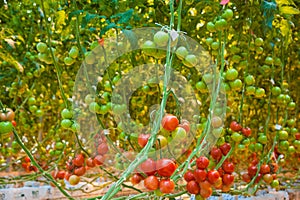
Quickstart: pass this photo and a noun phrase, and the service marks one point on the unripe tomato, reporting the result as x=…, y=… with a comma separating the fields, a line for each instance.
x=74, y=180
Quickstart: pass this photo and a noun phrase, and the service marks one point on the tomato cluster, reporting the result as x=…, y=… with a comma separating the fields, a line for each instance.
x=156, y=175
x=27, y=166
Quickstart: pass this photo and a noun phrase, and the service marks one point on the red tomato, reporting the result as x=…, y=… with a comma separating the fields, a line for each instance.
x=192, y=187
x=67, y=175
x=259, y=176
x=102, y=148
x=228, y=167
x=90, y=163
x=297, y=136
x=101, y=42
x=78, y=160
x=246, y=177
x=205, y=185
x=213, y=176
x=27, y=159
x=165, y=167
x=200, y=175
x=216, y=153
x=254, y=162
x=61, y=174
x=252, y=169
x=148, y=167
x=14, y=123
x=221, y=171
x=143, y=139
x=202, y=162
x=206, y=193
x=218, y=184
x=225, y=148
x=265, y=169
x=228, y=179
x=185, y=125
x=69, y=165
x=33, y=168
x=136, y=179
x=169, y=122
x=99, y=160
x=189, y=176
x=246, y=131
x=166, y=186
x=274, y=167
x=226, y=188
x=151, y=182
x=80, y=171
x=235, y=126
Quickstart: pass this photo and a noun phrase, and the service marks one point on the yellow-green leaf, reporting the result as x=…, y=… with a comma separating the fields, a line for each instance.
x=289, y=10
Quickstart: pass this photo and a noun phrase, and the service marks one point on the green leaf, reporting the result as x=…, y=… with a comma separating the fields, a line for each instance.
x=289, y=10
x=123, y=17
x=74, y=13
x=108, y=27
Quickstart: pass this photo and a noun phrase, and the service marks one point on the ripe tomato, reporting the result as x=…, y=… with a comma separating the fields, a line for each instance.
x=228, y=179
x=246, y=177
x=246, y=131
x=102, y=148
x=185, y=125
x=80, y=171
x=213, y=176
x=228, y=167
x=216, y=153
x=205, y=185
x=189, y=176
x=136, y=179
x=78, y=160
x=99, y=160
x=259, y=176
x=27, y=159
x=192, y=187
x=202, y=162
x=67, y=175
x=60, y=174
x=268, y=178
x=206, y=193
x=69, y=165
x=265, y=169
x=225, y=148
x=235, y=126
x=200, y=175
x=148, y=167
x=14, y=123
x=252, y=169
x=151, y=182
x=218, y=184
x=143, y=139
x=74, y=179
x=166, y=186
x=165, y=167
x=90, y=163
x=169, y=122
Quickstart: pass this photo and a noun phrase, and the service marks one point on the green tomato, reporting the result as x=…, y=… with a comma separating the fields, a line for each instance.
x=33, y=108
x=75, y=127
x=190, y=60
x=59, y=145
x=236, y=137
x=291, y=150
x=215, y=45
x=262, y=139
x=201, y=86
x=227, y=14
x=161, y=38
x=179, y=133
x=275, y=184
x=283, y=135
x=269, y=60
x=231, y=74
x=258, y=147
x=66, y=123
x=39, y=113
x=210, y=27
x=41, y=47
x=66, y=114
x=73, y=53
x=94, y=107
x=6, y=127
x=68, y=61
x=249, y=80
x=284, y=145
x=149, y=48
x=259, y=92
x=220, y=24
x=258, y=42
x=236, y=85
x=209, y=40
x=31, y=101
x=181, y=52
x=276, y=91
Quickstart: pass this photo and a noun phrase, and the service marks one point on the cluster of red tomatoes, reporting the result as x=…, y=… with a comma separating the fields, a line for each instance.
x=156, y=175
x=27, y=166
x=80, y=164
x=202, y=180
x=266, y=172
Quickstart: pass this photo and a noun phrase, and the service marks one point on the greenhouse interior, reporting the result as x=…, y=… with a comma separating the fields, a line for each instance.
x=150, y=99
